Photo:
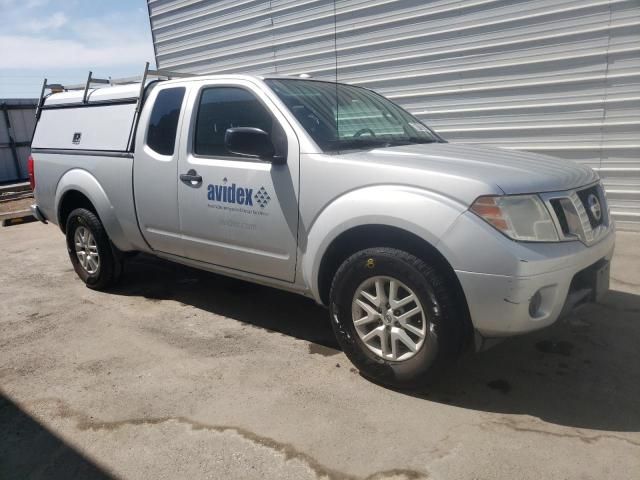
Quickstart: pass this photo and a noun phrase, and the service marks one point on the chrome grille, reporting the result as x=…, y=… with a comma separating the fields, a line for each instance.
x=569, y=213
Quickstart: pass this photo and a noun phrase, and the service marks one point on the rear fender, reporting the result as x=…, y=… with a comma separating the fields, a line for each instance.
x=85, y=183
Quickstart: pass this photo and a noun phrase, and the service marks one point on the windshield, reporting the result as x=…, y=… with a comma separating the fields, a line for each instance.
x=344, y=117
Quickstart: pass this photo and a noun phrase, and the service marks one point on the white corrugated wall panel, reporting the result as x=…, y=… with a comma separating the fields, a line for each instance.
x=560, y=77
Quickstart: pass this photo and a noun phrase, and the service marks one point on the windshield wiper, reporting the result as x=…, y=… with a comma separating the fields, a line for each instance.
x=361, y=143
x=422, y=140
x=376, y=142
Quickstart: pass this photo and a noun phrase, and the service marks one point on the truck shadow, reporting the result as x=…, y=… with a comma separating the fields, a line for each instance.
x=262, y=307
x=30, y=450
x=582, y=372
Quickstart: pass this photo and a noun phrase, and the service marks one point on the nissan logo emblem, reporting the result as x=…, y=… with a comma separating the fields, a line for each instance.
x=594, y=206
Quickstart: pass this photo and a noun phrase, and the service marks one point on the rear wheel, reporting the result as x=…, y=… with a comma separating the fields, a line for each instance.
x=394, y=317
x=92, y=255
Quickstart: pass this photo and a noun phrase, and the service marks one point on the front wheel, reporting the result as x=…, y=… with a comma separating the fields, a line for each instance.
x=90, y=250
x=394, y=317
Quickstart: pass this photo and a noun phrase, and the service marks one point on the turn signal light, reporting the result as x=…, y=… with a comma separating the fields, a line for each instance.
x=487, y=208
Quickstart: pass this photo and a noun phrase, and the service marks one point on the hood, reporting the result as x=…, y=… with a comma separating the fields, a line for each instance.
x=512, y=171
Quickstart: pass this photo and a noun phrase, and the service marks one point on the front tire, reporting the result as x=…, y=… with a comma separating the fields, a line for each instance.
x=91, y=253
x=395, y=317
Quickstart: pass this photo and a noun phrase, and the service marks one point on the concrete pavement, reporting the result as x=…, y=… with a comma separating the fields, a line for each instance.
x=178, y=373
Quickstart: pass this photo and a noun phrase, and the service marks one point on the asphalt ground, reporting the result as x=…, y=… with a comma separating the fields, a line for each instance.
x=178, y=373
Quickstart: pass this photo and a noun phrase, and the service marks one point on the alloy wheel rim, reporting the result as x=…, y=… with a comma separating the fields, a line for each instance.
x=87, y=250
x=389, y=318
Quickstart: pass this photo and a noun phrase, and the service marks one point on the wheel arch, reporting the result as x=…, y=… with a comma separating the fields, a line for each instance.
x=80, y=189
x=374, y=235
x=378, y=235
x=71, y=200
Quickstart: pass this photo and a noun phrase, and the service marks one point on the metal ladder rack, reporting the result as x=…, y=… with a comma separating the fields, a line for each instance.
x=156, y=73
x=90, y=80
x=57, y=87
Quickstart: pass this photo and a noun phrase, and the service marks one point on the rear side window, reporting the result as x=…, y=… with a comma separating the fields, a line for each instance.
x=161, y=136
x=227, y=107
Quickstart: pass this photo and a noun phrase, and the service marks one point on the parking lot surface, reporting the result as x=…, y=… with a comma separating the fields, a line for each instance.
x=178, y=373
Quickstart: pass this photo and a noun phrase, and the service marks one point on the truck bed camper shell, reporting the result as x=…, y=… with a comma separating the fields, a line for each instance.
x=68, y=121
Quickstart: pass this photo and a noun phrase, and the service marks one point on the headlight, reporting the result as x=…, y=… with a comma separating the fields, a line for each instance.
x=520, y=217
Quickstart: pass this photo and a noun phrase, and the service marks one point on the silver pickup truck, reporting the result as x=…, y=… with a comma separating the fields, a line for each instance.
x=421, y=249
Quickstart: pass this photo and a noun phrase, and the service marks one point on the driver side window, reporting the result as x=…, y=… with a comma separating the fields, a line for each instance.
x=221, y=108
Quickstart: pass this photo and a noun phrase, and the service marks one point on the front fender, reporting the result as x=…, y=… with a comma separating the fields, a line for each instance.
x=85, y=183
x=426, y=214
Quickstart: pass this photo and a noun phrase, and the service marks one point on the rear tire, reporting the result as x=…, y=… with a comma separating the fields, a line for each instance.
x=435, y=330
x=93, y=256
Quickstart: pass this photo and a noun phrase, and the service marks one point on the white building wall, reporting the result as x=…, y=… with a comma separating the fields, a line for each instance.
x=559, y=77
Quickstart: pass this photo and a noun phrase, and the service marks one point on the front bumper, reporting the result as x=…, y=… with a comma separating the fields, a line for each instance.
x=565, y=274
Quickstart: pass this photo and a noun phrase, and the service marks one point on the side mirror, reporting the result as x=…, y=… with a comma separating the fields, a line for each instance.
x=252, y=142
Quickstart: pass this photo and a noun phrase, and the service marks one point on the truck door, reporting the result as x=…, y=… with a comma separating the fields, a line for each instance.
x=237, y=211
x=156, y=168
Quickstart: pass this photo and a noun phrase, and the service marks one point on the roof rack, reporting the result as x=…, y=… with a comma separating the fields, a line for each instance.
x=91, y=80
x=45, y=86
x=156, y=73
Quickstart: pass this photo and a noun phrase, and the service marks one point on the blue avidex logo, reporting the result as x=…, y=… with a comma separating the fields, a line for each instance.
x=236, y=194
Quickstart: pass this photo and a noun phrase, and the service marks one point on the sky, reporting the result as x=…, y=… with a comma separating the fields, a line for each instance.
x=63, y=39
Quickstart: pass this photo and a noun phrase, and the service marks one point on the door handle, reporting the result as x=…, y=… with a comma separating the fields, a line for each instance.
x=191, y=178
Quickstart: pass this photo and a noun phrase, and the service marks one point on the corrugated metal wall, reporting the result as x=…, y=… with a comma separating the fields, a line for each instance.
x=558, y=77
x=17, y=120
